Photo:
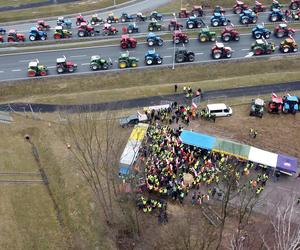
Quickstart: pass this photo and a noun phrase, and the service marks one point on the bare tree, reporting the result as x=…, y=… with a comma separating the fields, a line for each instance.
x=285, y=227
x=95, y=143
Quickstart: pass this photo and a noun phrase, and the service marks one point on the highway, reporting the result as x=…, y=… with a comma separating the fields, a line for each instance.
x=14, y=66
x=24, y=28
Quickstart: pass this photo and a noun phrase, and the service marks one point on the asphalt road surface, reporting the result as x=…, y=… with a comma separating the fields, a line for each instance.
x=14, y=66
x=24, y=28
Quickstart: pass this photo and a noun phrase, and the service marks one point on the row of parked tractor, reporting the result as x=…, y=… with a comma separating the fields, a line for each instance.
x=91, y=28
x=276, y=105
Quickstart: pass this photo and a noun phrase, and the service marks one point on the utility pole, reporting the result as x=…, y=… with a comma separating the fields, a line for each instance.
x=173, y=67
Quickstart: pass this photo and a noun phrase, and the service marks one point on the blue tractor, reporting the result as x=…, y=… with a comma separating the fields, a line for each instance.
x=154, y=40
x=290, y=104
x=65, y=23
x=276, y=15
x=2, y=31
x=152, y=58
x=36, y=34
x=260, y=31
x=132, y=28
x=247, y=17
x=194, y=22
x=218, y=19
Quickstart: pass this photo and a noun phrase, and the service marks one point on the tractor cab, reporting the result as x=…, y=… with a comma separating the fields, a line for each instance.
x=219, y=9
x=85, y=26
x=197, y=10
x=140, y=17
x=219, y=45
x=33, y=65
x=95, y=19
x=112, y=19
x=80, y=19
x=155, y=16
x=42, y=25
x=12, y=33
x=283, y=26
x=275, y=105
x=184, y=13
x=150, y=52
x=61, y=61
x=257, y=107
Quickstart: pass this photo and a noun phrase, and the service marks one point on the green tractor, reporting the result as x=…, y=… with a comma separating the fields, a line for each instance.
x=35, y=69
x=125, y=61
x=97, y=62
x=262, y=47
x=206, y=35
x=154, y=26
x=257, y=107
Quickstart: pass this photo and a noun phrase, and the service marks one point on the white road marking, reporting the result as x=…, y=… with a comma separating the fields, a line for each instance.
x=15, y=70
x=1, y=71
x=85, y=63
x=25, y=61
x=200, y=53
x=116, y=60
x=51, y=67
x=167, y=56
x=79, y=56
x=245, y=49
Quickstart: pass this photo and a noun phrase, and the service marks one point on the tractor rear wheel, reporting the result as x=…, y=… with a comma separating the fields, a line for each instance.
x=274, y=18
x=150, y=42
x=122, y=64
x=245, y=21
x=190, y=25
x=32, y=38
x=60, y=70
x=191, y=57
x=257, y=35
x=149, y=61
x=226, y=37
x=285, y=49
x=94, y=67
x=179, y=58
x=105, y=66
x=81, y=33
x=203, y=38
x=215, y=23
x=216, y=54
x=57, y=36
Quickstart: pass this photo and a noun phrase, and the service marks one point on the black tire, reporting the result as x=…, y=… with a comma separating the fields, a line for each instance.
x=191, y=57
x=105, y=66
x=179, y=58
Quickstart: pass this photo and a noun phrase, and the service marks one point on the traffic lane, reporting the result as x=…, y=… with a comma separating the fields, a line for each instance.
x=143, y=26
x=141, y=6
x=82, y=56
x=49, y=57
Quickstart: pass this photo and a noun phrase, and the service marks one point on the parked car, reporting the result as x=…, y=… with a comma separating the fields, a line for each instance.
x=218, y=109
x=132, y=120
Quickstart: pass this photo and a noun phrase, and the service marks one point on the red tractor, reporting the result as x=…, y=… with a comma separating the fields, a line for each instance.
x=62, y=65
x=109, y=30
x=275, y=105
x=85, y=30
x=1, y=39
x=259, y=7
x=41, y=25
x=13, y=36
x=230, y=34
x=184, y=13
x=197, y=11
x=80, y=19
x=239, y=7
x=174, y=25
x=282, y=30
x=180, y=37
x=128, y=42
x=219, y=51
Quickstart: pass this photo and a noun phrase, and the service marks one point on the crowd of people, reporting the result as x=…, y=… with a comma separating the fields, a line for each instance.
x=168, y=162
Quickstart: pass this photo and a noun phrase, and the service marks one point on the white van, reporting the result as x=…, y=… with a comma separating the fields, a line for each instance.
x=218, y=109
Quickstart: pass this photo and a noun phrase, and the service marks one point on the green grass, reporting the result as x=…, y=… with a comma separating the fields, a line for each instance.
x=56, y=10
x=18, y=2
x=120, y=86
